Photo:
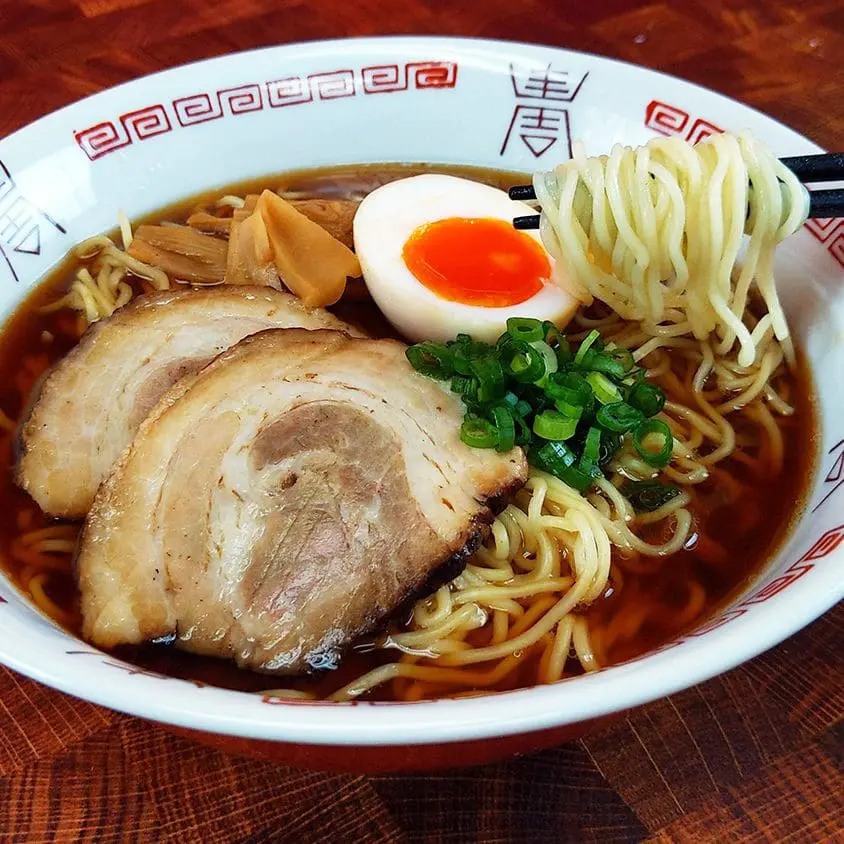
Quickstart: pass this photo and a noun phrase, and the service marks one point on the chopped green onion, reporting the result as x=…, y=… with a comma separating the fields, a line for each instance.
x=462, y=361
x=524, y=436
x=537, y=397
x=604, y=389
x=434, y=360
x=478, y=432
x=523, y=408
x=593, y=470
x=503, y=341
x=490, y=377
x=592, y=445
x=658, y=458
x=505, y=428
x=610, y=444
x=466, y=352
x=572, y=394
x=523, y=362
x=563, y=351
x=549, y=356
x=553, y=457
x=570, y=387
x=462, y=384
x=531, y=389
x=648, y=398
x=622, y=356
x=510, y=400
x=576, y=478
x=647, y=496
x=587, y=344
x=573, y=411
x=558, y=460
x=552, y=335
x=525, y=329
x=470, y=397
x=585, y=362
x=552, y=425
x=589, y=457
x=618, y=417
x=614, y=362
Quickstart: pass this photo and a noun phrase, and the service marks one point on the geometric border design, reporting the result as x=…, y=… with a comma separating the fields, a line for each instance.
x=108, y=136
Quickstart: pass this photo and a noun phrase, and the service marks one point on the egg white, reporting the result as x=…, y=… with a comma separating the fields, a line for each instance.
x=389, y=216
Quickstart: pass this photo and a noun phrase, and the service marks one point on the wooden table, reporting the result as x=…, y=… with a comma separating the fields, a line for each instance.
x=753, y=755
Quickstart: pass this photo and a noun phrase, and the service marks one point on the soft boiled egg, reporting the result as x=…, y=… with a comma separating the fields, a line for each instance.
x=440, y=257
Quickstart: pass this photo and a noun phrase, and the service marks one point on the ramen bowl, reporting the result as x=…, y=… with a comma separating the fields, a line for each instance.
x=147, y=144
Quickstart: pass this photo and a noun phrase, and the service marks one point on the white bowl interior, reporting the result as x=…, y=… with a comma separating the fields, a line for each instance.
x=148, y=143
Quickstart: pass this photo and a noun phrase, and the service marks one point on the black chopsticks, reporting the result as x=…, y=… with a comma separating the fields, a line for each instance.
x=827, y=167
x=529, y=221
x=810, y=169
x=524, y=193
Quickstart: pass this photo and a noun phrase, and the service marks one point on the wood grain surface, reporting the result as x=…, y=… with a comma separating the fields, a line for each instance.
x=754, y=755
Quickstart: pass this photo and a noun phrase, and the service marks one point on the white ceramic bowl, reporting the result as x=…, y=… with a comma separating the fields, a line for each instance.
x=150, y=142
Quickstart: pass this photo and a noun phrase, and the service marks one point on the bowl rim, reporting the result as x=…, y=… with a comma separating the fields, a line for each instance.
x=501, y=714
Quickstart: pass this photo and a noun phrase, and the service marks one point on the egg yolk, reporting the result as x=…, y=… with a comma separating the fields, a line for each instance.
x=477, y=261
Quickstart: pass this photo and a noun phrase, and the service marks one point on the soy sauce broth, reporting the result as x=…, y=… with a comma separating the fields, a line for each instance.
x=748, y=533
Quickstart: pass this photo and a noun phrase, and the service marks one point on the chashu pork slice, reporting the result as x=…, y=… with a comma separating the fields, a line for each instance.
x=93, y=401
x=281, y=502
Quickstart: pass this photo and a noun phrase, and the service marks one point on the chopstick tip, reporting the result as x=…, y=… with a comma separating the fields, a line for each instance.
x=522, y=192
x=529, y=221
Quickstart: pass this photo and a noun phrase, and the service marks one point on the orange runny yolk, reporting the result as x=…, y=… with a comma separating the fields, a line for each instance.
x=477, y=261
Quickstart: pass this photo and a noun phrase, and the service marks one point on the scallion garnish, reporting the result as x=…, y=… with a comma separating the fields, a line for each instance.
x=571, y=388
x=553, y=335
x=591, y=338
x=573, y=411
x=563, y=349
x=432, y=359
x=478, y=432
x=592, y=445
x=549, y=358
x=523, y=362
x=490, y=378
x=523, y=408
x=510, y=399
x=466, y=351
x=604, y=389
x=505, y=428
x=618, y=417
x=570, y=407
x=648, y=431
x=610, y=444
x=525, y=329
x=553, y=457
x=647, y=398
x=614, y=362
x=647, y=496
x=462, y=384
x=524, y=435
x=589, y=458
x=552, y=425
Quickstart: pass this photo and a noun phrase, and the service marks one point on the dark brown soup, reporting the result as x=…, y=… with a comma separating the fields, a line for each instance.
x=734, y=535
